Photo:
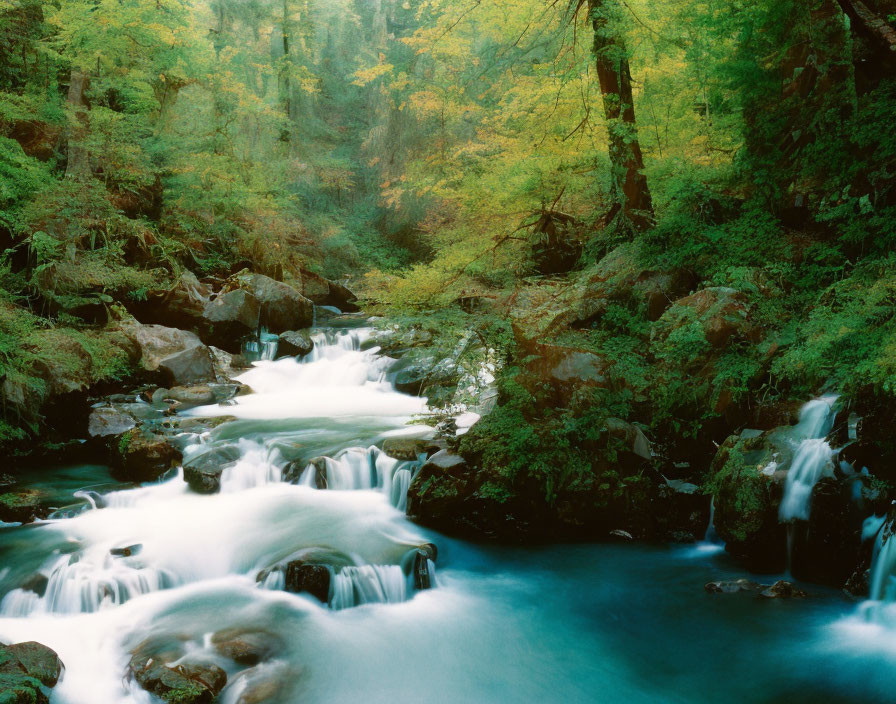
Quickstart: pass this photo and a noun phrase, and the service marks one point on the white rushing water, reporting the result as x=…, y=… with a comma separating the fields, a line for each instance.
x=132, y=555
x=812, y=458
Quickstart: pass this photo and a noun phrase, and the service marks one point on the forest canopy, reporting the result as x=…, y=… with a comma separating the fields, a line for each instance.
x=443, y=153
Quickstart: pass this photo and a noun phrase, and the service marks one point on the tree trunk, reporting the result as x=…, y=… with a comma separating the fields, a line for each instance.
x=78, y=165
x=631, y=194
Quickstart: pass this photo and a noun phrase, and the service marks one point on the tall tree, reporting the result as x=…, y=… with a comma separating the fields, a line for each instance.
x=631, y=194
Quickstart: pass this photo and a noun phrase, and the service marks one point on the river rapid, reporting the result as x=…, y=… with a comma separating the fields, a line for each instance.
x=582, y=623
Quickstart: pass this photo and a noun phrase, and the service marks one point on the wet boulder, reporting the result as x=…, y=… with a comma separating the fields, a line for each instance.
x=25, y=668
x=440, y=489
x=246, y=646
x=203, y=472
x=293, y=471
x=309, y=578
x=748, y=486
x=21, y=506
x=141, y=456
x=421, y=367
x=410, y=449
x=36, y=583
x=156, y=342
x=185, y=683
x=192, y=396
x=109, y=420
x=294, y=343
x=733, y=586
x=782, y=590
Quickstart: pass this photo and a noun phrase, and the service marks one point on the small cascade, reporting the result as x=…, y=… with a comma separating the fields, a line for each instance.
x=263, y=347
x=880, y=608
x=85, y=583
x=257, y=466
x=368, y=584
x=812, y=459
x=357, y=468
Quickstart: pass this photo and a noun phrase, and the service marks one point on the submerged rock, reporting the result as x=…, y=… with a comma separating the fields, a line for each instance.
x=24, y=669
x=246, y=646
x=782, y=590
x=779, y=590
x=733, y=586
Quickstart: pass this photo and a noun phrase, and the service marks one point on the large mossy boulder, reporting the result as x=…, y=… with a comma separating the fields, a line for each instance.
x=21, y=506
x=25, y=670
x=747, y=488
x=722, y=315
x=140, y=455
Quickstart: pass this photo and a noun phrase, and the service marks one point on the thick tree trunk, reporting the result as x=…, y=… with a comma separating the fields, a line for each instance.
x=78, y=165
x=867, y=21
x=631, y=192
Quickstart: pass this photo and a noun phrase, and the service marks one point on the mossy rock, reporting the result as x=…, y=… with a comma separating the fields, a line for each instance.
x=747, y=496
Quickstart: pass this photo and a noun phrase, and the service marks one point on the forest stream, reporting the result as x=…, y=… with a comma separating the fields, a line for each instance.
x=198, y=580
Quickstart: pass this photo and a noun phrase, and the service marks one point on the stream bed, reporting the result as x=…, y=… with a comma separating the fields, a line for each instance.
x=569, y=623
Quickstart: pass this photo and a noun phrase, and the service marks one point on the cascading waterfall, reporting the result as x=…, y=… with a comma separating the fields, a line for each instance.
x=115, y=555
x=263, y=347
x=812, y=459
x=358, y=469
x=368, y=584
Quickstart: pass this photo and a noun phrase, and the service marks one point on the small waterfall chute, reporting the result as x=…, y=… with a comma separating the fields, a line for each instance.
x=368, y=584
x=812, y=459
x=357, y=468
